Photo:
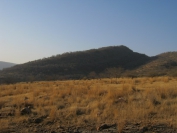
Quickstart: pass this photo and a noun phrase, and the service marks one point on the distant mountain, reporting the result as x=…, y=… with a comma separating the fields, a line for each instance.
x=5, y=64
x=113, y=61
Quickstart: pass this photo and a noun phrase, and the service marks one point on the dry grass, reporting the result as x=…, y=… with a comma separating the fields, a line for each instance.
x=82, y=102
x=4, y=123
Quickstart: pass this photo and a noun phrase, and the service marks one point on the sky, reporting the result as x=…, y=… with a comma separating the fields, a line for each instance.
x=36, y=29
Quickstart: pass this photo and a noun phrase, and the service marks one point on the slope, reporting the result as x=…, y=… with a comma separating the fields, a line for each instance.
x=162, y=64
x=76, y=65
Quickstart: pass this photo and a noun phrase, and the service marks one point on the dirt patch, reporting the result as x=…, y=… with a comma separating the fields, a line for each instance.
x=44, y=126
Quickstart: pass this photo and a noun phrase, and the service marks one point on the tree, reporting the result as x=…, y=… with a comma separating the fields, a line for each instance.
x=114, y=72
x=92, y=75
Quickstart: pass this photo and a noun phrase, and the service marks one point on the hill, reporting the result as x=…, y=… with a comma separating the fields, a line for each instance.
x=5, y=64
x=106, y=62
x=162, y=64
x=77, y=65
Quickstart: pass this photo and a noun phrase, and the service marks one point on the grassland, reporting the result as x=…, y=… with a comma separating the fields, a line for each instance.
x=139, y=102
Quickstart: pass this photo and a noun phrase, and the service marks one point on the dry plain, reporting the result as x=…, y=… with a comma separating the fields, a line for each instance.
x=124, y=105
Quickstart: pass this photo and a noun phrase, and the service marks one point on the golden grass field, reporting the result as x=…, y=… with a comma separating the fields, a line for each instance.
x=92, y=102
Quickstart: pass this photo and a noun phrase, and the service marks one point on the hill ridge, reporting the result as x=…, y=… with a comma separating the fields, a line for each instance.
x=112, y=61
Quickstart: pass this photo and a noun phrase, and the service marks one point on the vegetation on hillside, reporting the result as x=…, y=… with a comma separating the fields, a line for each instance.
x=163, y=64
x=76, y=65
x=107, y=62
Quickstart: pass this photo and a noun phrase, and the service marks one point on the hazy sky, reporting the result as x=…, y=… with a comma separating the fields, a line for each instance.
x=34, y=29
